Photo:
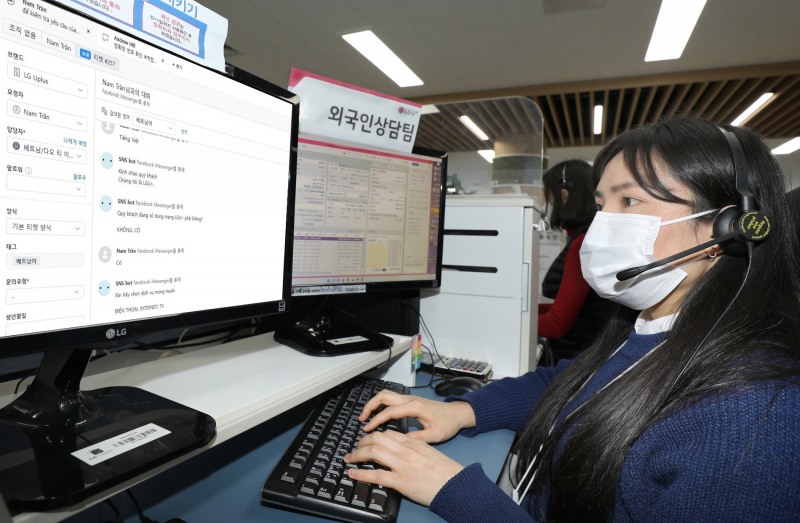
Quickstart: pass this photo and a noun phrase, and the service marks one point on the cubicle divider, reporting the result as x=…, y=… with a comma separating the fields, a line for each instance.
x=486, y=308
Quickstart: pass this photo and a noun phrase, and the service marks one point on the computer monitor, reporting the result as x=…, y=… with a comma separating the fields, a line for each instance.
x=365, y=220
x=142, y=193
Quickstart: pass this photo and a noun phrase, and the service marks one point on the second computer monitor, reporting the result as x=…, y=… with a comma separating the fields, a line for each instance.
x=365, y=220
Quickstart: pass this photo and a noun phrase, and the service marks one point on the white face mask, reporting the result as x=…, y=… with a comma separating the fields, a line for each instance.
x=619, y=241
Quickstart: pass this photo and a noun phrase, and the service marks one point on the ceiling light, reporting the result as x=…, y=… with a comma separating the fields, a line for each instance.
x=374, y=50
x=598, y=119
x=474, y=128
x=674, y=25
x=488, y=154
x=786, y=148
x=428, y=109
x=751, y=111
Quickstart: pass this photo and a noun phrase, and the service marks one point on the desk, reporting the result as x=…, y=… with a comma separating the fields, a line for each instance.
x=241, y=384
x=224, y=484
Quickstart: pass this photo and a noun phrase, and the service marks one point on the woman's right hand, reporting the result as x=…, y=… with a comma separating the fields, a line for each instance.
x=440, y=421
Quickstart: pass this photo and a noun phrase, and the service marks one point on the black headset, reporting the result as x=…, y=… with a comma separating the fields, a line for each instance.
x=745, y=223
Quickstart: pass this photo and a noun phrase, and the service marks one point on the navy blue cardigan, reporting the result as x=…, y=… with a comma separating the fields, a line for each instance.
x=734, y=457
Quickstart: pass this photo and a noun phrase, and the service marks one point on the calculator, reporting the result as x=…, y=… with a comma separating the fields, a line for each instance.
x=457, y=366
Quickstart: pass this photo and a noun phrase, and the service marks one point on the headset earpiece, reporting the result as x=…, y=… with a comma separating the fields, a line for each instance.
x=749, y=224
x=726, y=223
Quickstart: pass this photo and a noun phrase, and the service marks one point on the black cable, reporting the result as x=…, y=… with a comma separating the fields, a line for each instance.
x=388, y=358
x=389, y=343
x=113, y=507
x=31, y=375
x=719, y=318
x=425, y=329
x=432, y=374
x=139, y=512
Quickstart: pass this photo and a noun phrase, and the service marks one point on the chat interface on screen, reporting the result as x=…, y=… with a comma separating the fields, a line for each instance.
x=364, y=216
x=134, y=181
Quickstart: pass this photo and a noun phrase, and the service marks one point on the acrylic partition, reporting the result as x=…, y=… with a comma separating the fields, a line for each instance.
x=486, y=307
x=510, y=161
x=508, y=158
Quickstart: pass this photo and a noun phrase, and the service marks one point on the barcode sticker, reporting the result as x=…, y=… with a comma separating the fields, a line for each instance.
x=111, y=447
x=345, y=341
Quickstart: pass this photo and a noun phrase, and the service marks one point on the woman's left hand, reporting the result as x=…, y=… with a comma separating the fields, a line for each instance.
x=415, y=469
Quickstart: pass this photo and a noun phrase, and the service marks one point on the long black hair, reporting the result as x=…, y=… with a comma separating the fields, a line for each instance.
x=575, y=176
x=720, y=341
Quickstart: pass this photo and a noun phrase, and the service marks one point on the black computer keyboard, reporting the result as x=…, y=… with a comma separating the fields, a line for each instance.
x=310, y=475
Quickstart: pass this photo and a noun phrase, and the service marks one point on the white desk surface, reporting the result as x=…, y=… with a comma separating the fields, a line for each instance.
x=240, y=384
x=224, y=484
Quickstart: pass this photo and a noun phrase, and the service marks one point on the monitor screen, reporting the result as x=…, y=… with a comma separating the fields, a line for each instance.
x=365, y=220
x=365, y=217
x=134, y=184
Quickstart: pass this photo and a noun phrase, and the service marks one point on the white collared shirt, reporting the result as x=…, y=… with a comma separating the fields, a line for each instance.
x=664, y=323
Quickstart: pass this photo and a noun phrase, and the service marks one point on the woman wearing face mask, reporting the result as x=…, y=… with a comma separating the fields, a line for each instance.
x=576, y=314
x=688, y=411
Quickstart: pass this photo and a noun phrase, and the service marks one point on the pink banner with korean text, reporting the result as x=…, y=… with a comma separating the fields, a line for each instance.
x=341, y=111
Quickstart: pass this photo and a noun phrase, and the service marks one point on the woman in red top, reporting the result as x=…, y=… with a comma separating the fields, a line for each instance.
x=577, y=314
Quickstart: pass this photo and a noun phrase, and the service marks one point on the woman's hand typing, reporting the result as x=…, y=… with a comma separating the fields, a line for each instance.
x=412, y=467
x=440, y=421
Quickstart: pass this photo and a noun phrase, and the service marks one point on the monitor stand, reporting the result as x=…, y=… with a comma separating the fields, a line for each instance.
x=119, y=432
x=327, y=330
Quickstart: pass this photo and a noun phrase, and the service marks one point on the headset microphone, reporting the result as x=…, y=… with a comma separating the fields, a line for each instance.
x=627, y=274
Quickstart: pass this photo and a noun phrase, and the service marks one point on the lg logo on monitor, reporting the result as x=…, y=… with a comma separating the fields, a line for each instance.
x=112, y=333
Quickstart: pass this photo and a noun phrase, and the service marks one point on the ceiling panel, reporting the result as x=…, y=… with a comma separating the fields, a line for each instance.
x=567, y=110
x=565, y=55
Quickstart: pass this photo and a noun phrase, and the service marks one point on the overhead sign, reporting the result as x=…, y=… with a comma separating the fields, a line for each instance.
x=182, y=26
x=346, y=112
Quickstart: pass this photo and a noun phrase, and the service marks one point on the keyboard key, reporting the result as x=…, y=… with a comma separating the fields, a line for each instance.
x=360, y=494
x=377, y=500
x=326, y=490
x=290, y=476
x=344, y=493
